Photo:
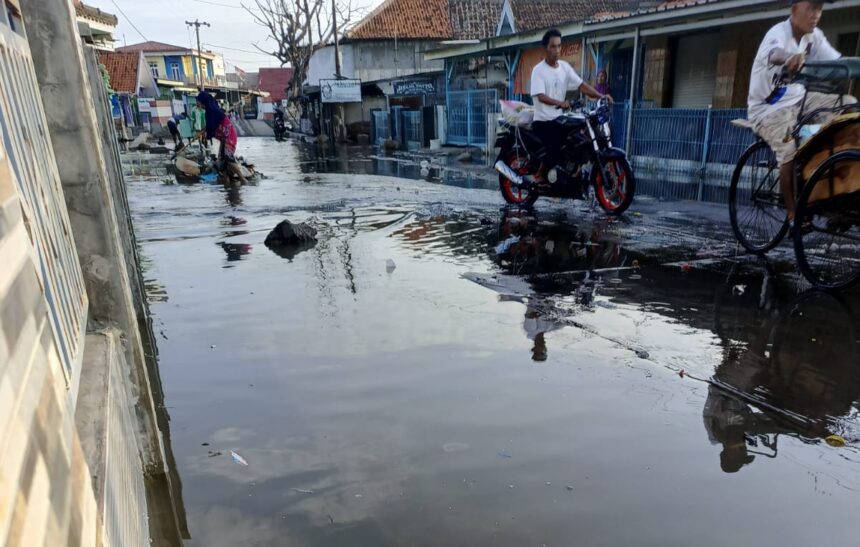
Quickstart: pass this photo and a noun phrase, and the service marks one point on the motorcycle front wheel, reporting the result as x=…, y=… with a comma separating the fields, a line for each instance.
x=615, y=186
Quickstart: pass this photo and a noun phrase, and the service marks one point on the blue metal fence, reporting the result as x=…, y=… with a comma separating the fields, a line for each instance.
x=412, y=130
x=683, y=153
x=467, y=115
x=381, y=126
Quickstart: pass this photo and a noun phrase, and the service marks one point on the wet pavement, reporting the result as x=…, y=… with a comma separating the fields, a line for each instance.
x=440, y=371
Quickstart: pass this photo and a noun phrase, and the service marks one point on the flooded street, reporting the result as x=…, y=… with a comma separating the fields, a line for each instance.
x=440, y=371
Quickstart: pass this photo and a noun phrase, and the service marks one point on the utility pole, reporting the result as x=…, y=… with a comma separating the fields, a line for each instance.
x=197, y=24
x=336, y=39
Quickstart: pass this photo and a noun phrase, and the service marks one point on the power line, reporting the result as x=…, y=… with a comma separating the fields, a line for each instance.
x=235, y=49
x=217, y=4
x=145, y=39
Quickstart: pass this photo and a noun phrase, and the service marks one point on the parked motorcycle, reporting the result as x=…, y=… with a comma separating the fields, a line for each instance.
x=588, y=160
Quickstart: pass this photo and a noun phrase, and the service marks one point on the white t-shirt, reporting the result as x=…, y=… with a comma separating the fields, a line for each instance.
x=554, y=83
x=765, y=94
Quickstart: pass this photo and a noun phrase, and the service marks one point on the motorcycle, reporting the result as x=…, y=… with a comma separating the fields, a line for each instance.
x=588, y=160
x=280, y=128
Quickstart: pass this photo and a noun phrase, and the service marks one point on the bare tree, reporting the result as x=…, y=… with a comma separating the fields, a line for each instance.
x=299, y=28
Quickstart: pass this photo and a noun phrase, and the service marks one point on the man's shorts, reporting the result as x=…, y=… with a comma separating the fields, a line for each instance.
x=774, y=127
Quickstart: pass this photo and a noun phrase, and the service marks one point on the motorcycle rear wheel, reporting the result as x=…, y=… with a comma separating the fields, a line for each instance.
x=513, y=194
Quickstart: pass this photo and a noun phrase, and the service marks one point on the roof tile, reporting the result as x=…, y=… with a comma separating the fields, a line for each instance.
x=122, y=70
x=406, y=19
x=275, y=81
x=148, y=47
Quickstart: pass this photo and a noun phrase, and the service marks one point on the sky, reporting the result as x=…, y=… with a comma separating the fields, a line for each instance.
x=232, y=33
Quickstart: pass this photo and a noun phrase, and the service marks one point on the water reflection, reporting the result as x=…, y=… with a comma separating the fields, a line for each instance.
x=793, y=369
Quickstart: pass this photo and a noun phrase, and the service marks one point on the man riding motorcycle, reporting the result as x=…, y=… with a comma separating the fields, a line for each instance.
x=550, y=82
x=774, y=105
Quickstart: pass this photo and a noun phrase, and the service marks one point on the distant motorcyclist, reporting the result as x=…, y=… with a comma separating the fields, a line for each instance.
x=280, y=122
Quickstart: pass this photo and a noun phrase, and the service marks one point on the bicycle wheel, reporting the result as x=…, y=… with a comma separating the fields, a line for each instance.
x=827, y=242
x=755, y=206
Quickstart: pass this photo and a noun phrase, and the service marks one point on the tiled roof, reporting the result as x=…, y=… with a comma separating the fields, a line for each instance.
x=407, y=19
x=122, y=69
x=275, y=81
x=95, y=14
x=538, y=14
x=656, y=7
x=474, y=19
x=148, y=47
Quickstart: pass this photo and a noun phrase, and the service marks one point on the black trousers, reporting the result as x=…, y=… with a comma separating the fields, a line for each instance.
x=174, y=132
x=551, y=133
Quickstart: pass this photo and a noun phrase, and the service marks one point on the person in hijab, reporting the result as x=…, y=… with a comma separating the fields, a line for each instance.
x=602, y=82
x=219, y=126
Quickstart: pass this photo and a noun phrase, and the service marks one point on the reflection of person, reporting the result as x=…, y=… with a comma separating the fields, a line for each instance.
x=219, y=126
x=801, y=363
x=773, y=105
x=550, y=82
x=536, y=326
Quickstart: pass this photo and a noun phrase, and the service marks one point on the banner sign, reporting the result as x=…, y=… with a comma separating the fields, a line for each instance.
x=340, y=91
x=415, y=87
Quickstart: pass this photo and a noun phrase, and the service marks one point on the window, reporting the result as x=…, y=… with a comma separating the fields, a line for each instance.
x=174, y=72
x=153, y=67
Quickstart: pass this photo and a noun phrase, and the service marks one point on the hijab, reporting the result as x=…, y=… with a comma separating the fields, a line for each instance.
x=214, y=114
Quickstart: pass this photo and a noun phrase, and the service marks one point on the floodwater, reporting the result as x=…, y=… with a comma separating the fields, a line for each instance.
x=438, y=371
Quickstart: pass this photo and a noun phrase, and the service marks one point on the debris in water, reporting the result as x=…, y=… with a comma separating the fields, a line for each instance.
x=213, y=454
x=569, y=488
x=454, y=447
x=504, y=454
x=836, y=441
x=681, y=373
x=204, y=444
x=358, y=496
x=548, y=483
x=511, y=486
x=637, y=214
x=739, y=290
x=390, y=266
x=642, y=354
x=238, y=459
x=300, y=491
x=212, y=346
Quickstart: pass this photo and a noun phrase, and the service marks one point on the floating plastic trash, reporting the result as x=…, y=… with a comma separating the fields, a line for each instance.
x=390, y=266
x=836, y=441
x=238, y=459
x=209, y=178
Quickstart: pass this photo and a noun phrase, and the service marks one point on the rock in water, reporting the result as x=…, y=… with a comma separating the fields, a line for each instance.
x=287, y=233
x=288, y=239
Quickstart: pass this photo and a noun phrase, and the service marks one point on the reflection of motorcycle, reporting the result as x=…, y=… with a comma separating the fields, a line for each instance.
x=587, y=160
x=529, y=247
x=796, y=374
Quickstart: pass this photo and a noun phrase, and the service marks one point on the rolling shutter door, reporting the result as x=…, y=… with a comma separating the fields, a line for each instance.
x=695, y=71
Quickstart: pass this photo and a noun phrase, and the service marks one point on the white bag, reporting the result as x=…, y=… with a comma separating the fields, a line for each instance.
x=517, y=113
